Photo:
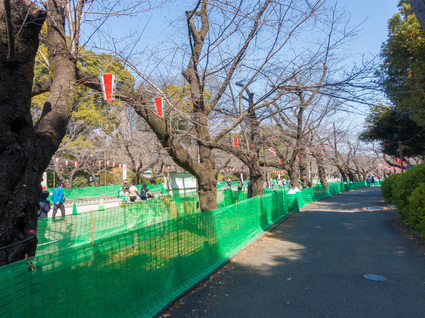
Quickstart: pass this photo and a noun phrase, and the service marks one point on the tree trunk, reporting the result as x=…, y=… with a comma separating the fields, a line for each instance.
x=26, y=151
x=20, y=157
x=207, y=184
x=255, y=186
x=293, y=175
x=321, y=169
x=256, y=180
x=418, y=7
x=304, y=169
x=207, y=190
x=343, y=173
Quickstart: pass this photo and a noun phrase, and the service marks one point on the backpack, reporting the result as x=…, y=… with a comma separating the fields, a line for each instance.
x=44, y=208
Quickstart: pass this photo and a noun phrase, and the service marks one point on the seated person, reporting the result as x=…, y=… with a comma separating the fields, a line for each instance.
x=133, y=193
x=144, y=192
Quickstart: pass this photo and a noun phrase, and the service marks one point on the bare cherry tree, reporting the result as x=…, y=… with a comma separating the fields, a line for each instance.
x=221, y=38
x=27, y=148
x=139, y=145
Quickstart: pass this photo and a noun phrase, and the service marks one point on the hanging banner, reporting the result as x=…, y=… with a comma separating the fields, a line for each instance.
x=159, y=103
x=398, y=161
x=109, y=83
x=272, y=151
x=235, y=142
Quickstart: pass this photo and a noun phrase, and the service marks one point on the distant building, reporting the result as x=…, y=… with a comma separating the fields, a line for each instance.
x=147, y=173
x=179, y=181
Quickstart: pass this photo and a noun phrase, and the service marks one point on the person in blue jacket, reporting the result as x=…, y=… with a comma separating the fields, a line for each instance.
x=57, y=199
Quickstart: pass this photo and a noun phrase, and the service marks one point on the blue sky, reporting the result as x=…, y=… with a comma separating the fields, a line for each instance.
x=375, y=14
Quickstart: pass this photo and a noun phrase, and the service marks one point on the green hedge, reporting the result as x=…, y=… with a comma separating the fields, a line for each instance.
x=407, y=192
x=387, y=187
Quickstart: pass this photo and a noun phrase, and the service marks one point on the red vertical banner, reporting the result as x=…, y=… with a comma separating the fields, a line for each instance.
x=159, y=103
x=109, y=83
x=397, y=160
x=235, y=142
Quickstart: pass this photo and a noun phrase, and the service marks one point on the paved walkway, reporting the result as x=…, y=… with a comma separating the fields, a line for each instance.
x=313, y=265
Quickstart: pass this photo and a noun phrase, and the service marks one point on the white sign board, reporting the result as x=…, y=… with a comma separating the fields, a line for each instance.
x=124, y=171
x=179, y=181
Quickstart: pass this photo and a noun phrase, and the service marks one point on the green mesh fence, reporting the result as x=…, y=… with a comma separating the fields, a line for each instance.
x=102, y=191
x=133, y=260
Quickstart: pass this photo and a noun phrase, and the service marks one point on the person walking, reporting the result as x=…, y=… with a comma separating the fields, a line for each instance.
x=229, y=183
x=58, y=199
x=249, y=194
x=368, y=181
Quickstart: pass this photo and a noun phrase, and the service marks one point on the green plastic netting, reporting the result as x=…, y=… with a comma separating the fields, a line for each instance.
x=132, y=261
x=102, y=191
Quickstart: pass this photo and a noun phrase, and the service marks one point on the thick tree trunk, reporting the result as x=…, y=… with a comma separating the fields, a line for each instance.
x=207, y=184
x=255, y=185
x=207, y=190
x=343, y=173
x=293, y=175
x=351, y=175
x=20, y=158
x=256, y=181
x=25, y=151
x=321, y=169
x=304, y=169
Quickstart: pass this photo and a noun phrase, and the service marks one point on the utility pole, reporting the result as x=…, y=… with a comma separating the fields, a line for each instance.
x=105, y=167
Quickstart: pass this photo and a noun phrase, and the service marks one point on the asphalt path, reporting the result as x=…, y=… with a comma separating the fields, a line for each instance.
x=88, y=206
x=314, y=265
